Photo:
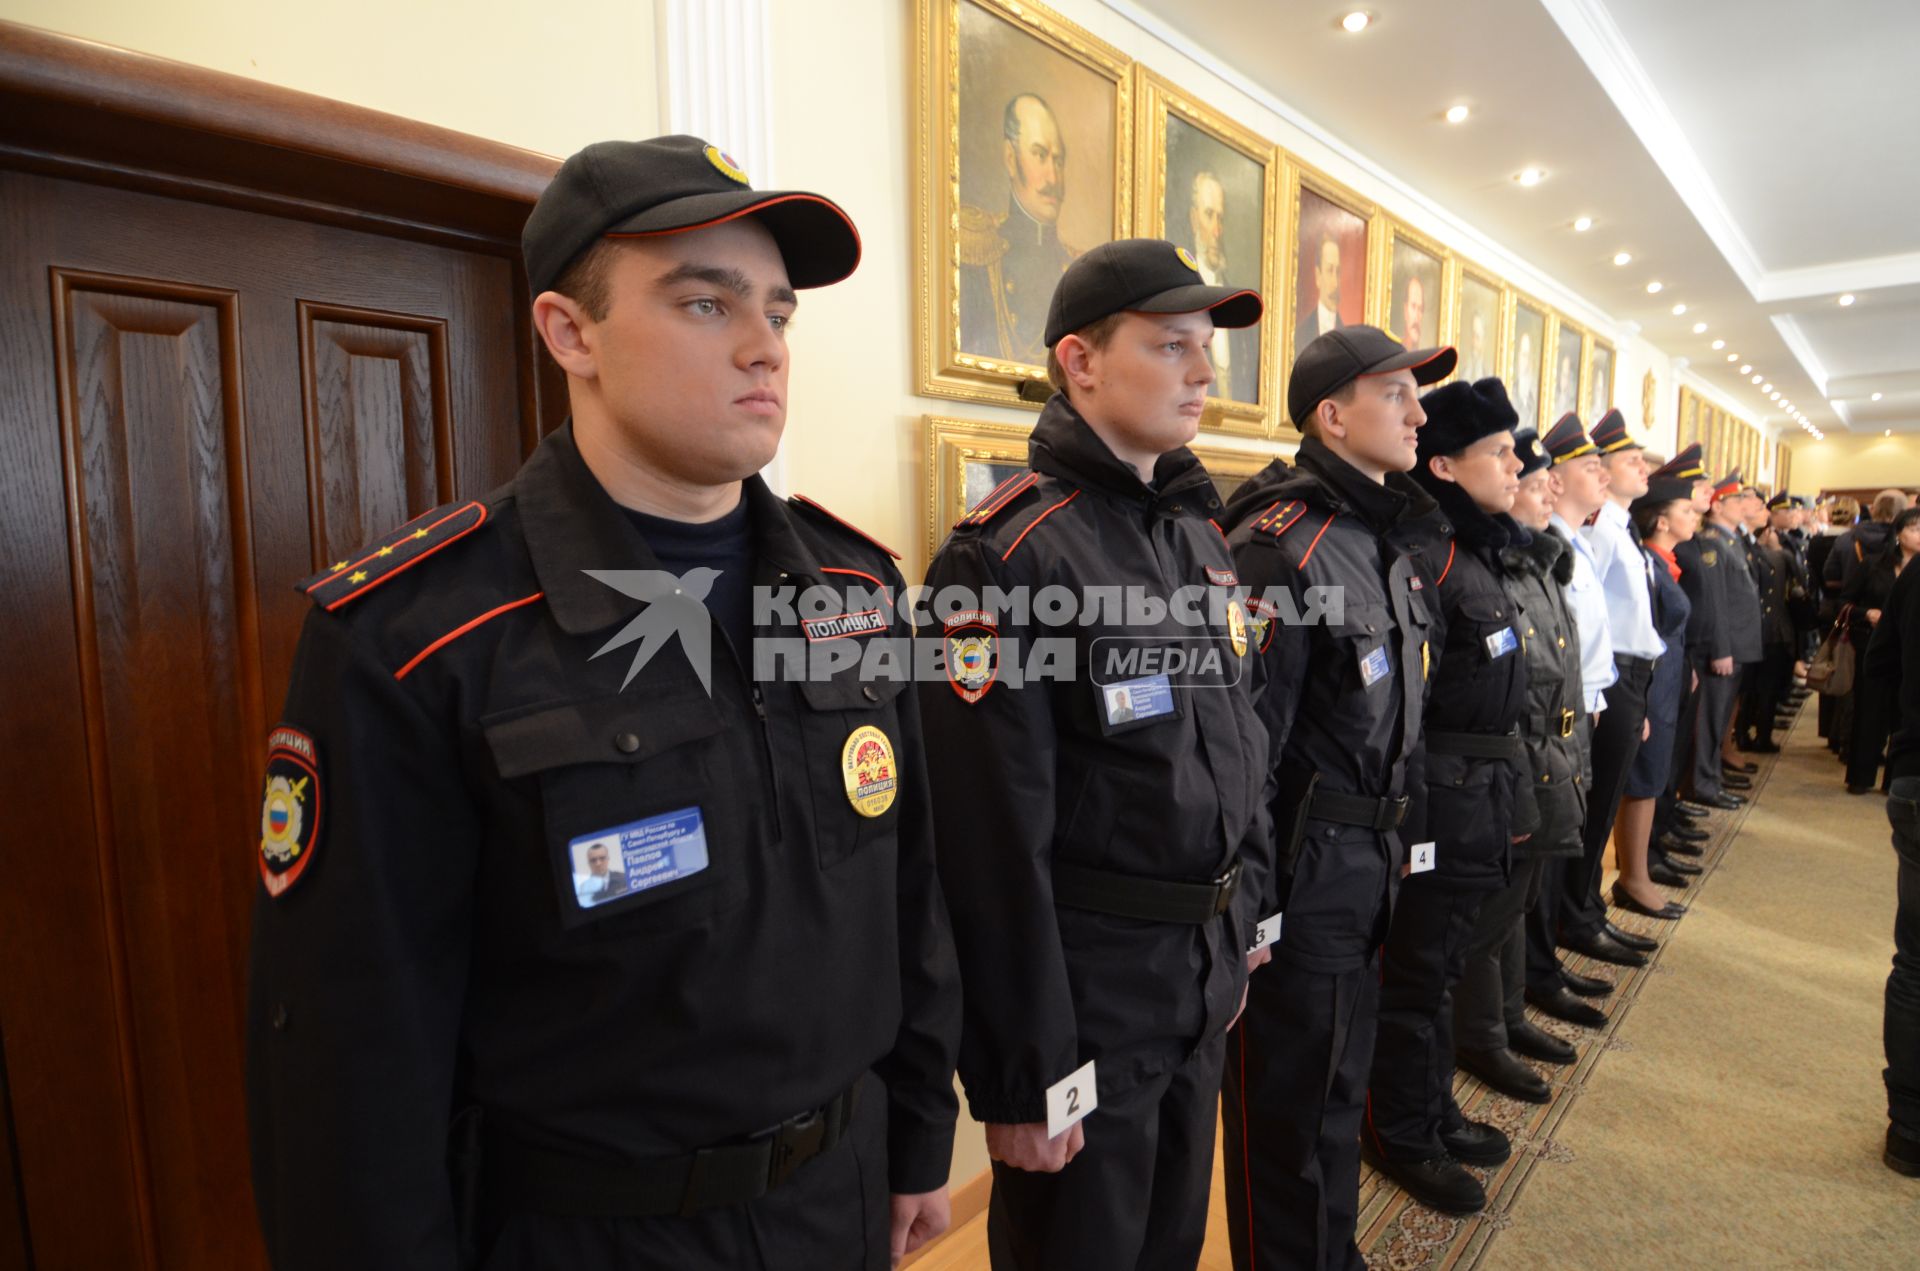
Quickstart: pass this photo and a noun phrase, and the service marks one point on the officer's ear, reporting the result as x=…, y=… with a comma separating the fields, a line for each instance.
x=1442, y=466
x=1075, y=356
x=565, y=327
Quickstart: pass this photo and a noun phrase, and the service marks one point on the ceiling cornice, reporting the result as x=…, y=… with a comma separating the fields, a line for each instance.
x=1871, y=273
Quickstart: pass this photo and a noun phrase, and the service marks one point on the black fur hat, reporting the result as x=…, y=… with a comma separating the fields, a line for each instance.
x=1459, y=414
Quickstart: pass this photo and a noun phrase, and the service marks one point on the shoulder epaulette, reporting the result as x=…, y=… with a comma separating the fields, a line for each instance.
x=1282, y=516
x=998, y=499
x=980, y=239
x=803, y=501
x=392, y=554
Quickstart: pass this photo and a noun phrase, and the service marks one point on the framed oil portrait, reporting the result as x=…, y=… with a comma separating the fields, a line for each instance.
x=1687, y=431
x=1412, y=300
x=1526, y=350
x=966, y=459
x=1025, y=127
x=1331, y=246
x=1230, y=469
x=1600, y=380
x=1474, y=328
x=1563, y=370
x=1209, y=186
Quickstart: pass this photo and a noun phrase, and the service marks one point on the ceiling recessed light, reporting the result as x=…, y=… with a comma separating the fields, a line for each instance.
x=1678, y=310
x=1356, y=21
x=1457, y=114
x=1746, y=367
x=1582, y=225
x=1878, y=396
x=1653, y=288
x=1623, y=258
x=1774, y=397
x=1758, y=378
x=1733, y=357
x=1766, y=388
x=1846, y=300
x=1530, y=176
x=1721, y=344
x=1699, y=328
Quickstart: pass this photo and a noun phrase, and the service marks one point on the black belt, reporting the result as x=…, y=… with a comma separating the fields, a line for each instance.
x=1476, y=745
x=546, y=1181
x=1149, y=899
x=1357, y=809
x=1630, y=661
x=1558, y=724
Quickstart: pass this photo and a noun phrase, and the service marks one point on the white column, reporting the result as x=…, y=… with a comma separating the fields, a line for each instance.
x=715, y=83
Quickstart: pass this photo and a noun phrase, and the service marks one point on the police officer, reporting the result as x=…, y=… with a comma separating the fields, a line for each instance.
x=1474, y=769
x=1676, y=832
x=1491, y=1030
x=1719, y=536
x=1094, y=843
x=457, y=1057
x=1341, y=698
x=1774, y=578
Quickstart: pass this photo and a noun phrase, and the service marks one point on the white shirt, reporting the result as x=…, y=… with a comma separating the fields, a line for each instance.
x=1624, y=578
x=1589, y=606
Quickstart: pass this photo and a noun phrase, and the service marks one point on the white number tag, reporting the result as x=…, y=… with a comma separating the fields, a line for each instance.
x=1420, y=859
x=1070, y=1099
x=1268, y=932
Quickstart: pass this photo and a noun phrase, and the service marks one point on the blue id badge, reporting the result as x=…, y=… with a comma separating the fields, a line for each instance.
x=625, y=860
x=1501, y=643
x=1374, y=667
x=1131, y=701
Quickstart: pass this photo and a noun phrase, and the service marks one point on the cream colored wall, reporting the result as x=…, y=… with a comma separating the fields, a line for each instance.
x=544, y=77
x=1848, y=462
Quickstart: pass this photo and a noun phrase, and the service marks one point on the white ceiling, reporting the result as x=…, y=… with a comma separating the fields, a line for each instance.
x=1757, y=157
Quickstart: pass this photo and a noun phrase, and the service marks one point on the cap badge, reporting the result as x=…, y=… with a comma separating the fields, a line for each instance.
x=723, y=161
x=1186, y=258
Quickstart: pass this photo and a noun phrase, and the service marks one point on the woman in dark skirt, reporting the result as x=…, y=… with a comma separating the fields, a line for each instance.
x=1867, y=592
x=1665, y=516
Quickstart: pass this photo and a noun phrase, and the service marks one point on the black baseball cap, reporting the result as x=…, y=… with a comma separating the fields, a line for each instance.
x=635, y=189
x=1335, y=359
x=1141, y=275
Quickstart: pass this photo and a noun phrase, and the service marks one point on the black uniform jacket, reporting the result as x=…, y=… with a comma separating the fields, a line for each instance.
x=432, y=955
x=1553, y=808
x=1740, y=594
x=1330, y=712
x=1031, y=774
x=1479, y=687
x=1704, y=579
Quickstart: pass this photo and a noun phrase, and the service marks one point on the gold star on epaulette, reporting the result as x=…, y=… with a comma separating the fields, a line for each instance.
x=385, y=551
x=357, y=576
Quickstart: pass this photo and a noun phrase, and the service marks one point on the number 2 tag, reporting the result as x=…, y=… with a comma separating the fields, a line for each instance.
x=1070, y=1099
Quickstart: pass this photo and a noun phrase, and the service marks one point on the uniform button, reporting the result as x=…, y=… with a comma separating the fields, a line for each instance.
x=280, y=1016
x=1561, y=641
x=869, y=692
x=626, y=743
x=1543, y=776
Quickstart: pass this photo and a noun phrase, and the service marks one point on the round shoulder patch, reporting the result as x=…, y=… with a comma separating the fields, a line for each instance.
x=1186, y=258
x=290, y=809
x=724, y=162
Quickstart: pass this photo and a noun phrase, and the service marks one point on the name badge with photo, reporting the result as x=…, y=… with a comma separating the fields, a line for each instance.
x=1131, y=701
x=1501, y=643
x=1374, y=666
x=625, y=860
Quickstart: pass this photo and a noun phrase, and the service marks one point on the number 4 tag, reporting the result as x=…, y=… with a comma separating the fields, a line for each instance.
x=1420, y=859
x=1070, y=1099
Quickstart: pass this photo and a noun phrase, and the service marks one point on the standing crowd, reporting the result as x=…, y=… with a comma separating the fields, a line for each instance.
x=1267, y=814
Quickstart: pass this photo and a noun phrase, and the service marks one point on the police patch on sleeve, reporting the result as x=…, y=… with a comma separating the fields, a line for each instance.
x=290, y=809
x=867, y=765
x=972, y=660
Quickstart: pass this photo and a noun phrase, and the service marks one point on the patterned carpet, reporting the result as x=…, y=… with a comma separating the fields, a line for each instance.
x=1398, y=1233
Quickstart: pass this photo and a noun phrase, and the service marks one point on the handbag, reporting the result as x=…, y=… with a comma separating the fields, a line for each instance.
x=1831, y=671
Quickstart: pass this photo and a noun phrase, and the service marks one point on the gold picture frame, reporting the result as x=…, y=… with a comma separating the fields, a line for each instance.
x=1229, y=468
x=1162, y=106
x=1523, y=337
x=982, y=299
x=1556, y=394
x=1468, y=281
x=1597, y=384
x=1305, y=182
x=1388, y=306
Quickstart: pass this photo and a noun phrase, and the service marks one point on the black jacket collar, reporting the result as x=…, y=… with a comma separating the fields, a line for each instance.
x=1487, y=534
x=572, y=525
x=1548, y=554
x=1065, y=446
x=1381, y=505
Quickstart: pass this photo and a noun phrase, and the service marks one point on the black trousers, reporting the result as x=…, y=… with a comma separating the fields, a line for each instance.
x=1902, y=1027
x=1407, y=1093
x=1872, y=714
x=1766, y=689
x=1136, y=1195
x=1664, y=808
x=1292, y=1101
x=1616, y=739
x=833, y=1212
x=1492, y=987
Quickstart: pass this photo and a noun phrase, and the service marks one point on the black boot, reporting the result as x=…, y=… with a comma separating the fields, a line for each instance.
x=1440, y=1182
x=1903, y=1153
x=1529, y=1039
x=1477, y=1143
x=1503, y=1071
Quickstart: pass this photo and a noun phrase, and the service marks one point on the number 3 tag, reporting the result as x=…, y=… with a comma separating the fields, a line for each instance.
x=1070, y=1099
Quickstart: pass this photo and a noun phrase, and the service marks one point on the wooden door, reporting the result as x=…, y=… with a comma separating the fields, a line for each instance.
x=207, y=390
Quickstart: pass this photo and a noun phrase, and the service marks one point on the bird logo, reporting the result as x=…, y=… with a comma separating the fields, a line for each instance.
x=674, y=604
